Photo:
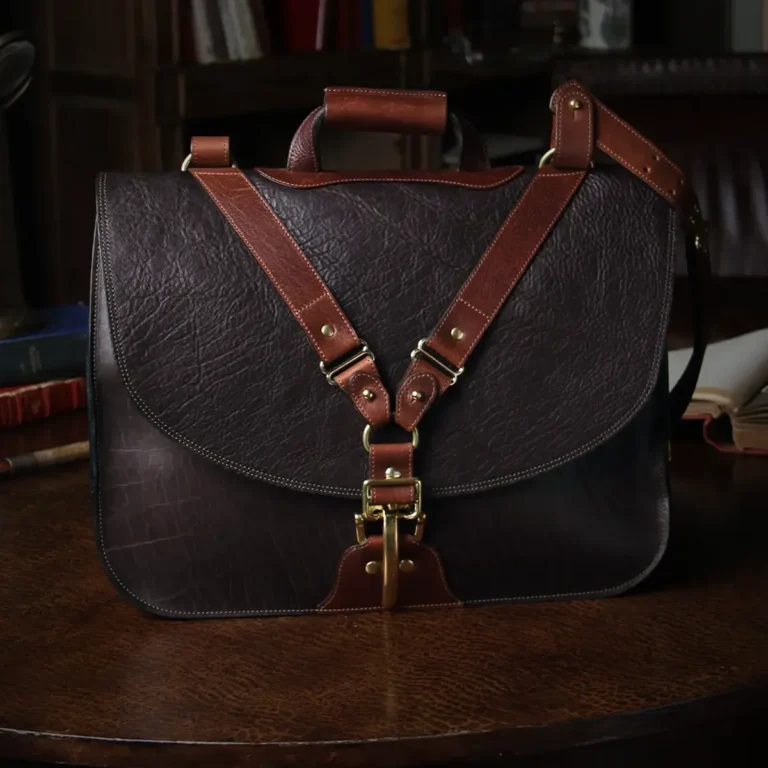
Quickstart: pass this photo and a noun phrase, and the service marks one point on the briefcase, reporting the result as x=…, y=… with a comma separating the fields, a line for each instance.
x=315, y=391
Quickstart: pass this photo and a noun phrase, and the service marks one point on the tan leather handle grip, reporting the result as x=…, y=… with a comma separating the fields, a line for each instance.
x=395, y=111
x=389, y=111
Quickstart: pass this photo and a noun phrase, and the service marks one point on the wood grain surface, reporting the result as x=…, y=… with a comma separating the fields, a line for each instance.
x=87, y=679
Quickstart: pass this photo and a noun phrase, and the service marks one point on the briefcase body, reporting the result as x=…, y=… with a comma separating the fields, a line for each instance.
x=316, y=391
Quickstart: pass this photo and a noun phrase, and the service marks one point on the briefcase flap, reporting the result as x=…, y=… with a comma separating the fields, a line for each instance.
x=215, y=360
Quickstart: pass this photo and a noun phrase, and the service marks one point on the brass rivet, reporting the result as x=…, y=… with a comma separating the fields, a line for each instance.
x=646, y=169
x=328, y=330
x=368, y=394
x=391, y=473
x=407, y=566
x=416, y=395
x=372, y=567
x=575, y=104
x=457, y=333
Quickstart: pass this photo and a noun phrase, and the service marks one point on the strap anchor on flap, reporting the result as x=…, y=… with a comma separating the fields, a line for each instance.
x=422, y=351
x=332, y=370
x=390, y=515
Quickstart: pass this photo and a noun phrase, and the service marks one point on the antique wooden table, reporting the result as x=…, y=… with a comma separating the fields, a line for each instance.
x=675, y=671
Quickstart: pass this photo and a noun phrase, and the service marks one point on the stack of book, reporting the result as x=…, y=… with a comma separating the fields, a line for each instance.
x=237, y=30
x=43, y=373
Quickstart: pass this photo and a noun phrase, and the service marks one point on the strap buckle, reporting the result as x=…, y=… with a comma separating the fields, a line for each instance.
x=390, y=515
x=336, y=368
x=422, y=351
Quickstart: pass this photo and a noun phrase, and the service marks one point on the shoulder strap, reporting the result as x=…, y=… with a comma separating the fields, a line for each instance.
x=345, y=358
x=580, y=123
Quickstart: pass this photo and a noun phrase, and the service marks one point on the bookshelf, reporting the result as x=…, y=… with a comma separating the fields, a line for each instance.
x=112, y=91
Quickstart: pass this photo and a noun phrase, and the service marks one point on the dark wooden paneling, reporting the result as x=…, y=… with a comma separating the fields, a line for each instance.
x=97, y=36
x=88, y=136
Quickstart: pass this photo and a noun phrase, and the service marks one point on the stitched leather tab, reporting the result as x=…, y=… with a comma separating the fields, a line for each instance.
x=210, y=152
x=574, y=131
x=355, y=589
x=399, y=458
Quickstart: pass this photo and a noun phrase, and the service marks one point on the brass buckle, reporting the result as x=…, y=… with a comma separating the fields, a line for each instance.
x=422, y=351
x=389, y=515
x=337, y=368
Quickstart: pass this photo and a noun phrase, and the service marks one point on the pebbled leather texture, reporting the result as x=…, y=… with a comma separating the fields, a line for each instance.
x=184, y=537
x=209, y=351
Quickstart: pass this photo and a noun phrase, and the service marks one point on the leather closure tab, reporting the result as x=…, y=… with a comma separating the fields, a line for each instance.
x=574, y=128
x=210, y=152
x=362, y=383
x=389, y=461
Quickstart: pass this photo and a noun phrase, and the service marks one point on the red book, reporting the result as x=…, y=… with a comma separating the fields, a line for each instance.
x=300, y=24
x=38, y=401
x=348, y=33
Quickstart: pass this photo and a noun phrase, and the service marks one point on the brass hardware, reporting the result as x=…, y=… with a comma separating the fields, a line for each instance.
x=416, y=395
x=390, y=515
x=391, y=556
x=575, y=104
x=328, y=330
x=369, y=394
x=367, y=438
x=372, y=567
x=188, y=161
x=457, y=333
x=360, y=529
x=422, y=351
x=406, y=566
x=418, y=531
x=331, y=374
x=546, y=158
x=390, y=473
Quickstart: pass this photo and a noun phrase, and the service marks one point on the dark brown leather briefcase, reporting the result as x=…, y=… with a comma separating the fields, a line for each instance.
x=489, y=419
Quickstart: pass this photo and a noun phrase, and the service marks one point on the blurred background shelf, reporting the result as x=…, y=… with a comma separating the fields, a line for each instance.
x=116, y=88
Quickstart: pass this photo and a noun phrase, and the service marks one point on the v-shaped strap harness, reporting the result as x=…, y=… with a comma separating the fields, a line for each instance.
x=580, y=123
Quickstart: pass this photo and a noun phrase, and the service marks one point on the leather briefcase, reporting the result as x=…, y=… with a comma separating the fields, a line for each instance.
x=489, y=419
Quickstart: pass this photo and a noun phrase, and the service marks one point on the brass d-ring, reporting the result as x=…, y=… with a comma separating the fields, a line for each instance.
x=547, y=157
x=188, y=161
x=367, y=438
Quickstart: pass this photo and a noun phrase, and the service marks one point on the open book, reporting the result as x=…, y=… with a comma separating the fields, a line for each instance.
x=731, y=396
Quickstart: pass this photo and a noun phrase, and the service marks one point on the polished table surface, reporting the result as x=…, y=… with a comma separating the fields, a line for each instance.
x=87, y=679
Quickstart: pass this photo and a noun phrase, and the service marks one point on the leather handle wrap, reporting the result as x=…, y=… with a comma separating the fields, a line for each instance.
x=370, y=109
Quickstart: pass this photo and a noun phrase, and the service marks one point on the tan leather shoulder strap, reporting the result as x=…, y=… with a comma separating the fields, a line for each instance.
x=484, y=293
x=345, y=359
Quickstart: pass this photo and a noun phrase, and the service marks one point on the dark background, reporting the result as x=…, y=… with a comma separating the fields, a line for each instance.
x=112, y=90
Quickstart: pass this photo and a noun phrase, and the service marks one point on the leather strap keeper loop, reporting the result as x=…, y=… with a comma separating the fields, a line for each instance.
x=210, y=152
x=573, y=128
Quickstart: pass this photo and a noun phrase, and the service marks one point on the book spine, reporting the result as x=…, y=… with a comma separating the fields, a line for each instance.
x=202, y=33
x=322, y=18
x=366, y=24
x=187, y=52
x=39, y=401
x=261, y=24
x=216, y=26
x=300, y=24
x=247, y=27
x=229, y=22
x=390, y=25
x=746, y=25
x=30, y=360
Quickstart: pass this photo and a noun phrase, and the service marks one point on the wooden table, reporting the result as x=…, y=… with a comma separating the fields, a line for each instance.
x=677, y=671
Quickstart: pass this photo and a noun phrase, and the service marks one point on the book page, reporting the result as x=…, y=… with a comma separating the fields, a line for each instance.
x=732, y=372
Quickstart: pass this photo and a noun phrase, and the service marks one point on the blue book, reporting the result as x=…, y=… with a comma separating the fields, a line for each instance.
x=366, y=24
x=56, y=351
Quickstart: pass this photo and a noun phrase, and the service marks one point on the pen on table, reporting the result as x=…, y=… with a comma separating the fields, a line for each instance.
x=29, y=461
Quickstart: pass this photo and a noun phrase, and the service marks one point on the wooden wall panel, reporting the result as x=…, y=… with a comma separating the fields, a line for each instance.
x=94, y=36
x=89, y=136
